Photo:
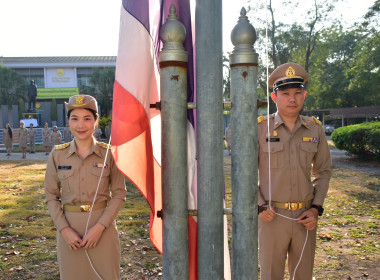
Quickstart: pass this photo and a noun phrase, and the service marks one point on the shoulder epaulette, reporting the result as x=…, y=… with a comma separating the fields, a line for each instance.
x=104, y=145
x=62, y=146
x=317, y=121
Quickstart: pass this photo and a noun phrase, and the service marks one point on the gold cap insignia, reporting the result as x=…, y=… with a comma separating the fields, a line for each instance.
x=79, y=100
x=290, y=73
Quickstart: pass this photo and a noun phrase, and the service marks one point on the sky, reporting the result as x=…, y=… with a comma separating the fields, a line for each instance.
x=91, y=27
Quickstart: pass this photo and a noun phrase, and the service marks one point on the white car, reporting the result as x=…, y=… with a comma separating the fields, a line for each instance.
x=328, y=129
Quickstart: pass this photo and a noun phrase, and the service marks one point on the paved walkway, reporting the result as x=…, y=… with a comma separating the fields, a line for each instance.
x=339, y=158
x=18, y=156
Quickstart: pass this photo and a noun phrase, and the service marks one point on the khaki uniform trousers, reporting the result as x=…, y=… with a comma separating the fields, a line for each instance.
x=32, y=143
x=105, y=257
x=283, y=238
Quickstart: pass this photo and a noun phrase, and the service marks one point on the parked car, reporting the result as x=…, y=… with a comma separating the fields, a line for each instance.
x=328, y=129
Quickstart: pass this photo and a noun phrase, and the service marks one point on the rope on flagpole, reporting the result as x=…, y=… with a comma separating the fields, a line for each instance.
x=268, y=137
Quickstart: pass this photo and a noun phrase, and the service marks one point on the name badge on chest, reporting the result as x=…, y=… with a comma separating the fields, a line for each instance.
x=272, y=139
x=64, y=167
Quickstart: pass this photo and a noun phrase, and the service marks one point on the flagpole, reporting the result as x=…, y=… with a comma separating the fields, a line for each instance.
x=173, y=72
x=209, y=81
x=243, y=62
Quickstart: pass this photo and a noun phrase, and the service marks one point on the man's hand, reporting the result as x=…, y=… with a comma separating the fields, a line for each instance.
x=309, y=219
x=71, y=238
x=91, y=239
x=267, y=215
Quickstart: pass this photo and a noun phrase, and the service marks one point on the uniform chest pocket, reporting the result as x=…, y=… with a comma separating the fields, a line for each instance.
x=97, y=172
x=307, y=152
x=66, y=178
x=277, y=155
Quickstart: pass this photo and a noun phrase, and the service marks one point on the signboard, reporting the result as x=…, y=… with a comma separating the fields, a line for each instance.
x=60, y=78
x=50, y=93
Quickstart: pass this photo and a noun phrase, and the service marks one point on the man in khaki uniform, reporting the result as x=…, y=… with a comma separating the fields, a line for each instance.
x=294, y=149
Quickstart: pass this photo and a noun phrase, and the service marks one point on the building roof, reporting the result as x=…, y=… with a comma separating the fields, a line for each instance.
x=355, y=112
x=58, y=61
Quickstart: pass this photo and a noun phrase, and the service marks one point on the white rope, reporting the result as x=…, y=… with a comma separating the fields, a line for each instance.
x=92, y=205
x=269, y=136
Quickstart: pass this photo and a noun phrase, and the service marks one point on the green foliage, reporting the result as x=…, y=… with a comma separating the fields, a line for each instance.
x=359, y=139
x=12, y=86
x=102, y=80
x=343, y=62
x=54, y=113
x=21, y=108
x=103, y=122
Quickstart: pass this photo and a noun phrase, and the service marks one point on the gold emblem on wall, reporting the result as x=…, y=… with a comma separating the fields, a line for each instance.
x=60, y=72
x=38, y=105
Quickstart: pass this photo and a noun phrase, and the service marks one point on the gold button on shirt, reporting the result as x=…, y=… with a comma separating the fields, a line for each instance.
x=294, y=159
x=72, y=180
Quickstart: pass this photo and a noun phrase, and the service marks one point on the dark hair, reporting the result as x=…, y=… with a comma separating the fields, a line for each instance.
x=10, y=131
x=96, y=116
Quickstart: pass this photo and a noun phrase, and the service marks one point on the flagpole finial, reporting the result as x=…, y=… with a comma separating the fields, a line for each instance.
x=173, y=34
x=243, y=37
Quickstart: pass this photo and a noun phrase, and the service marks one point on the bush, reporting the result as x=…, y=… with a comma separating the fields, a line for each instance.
x=103, y=122
x=360, y=139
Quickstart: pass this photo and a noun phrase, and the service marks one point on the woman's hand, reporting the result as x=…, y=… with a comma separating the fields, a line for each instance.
x=90, y=240
x=267, y=215
x=71, y=238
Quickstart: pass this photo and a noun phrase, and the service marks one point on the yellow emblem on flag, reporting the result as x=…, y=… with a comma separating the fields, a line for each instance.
x=290, y=73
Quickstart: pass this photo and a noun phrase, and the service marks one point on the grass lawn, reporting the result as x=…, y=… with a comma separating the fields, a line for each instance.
x=348, y=235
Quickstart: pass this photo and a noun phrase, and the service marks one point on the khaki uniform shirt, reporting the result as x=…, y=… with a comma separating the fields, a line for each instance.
x=23, y=137
x=46, y=136
x=67, y=134
x=108, y=131
x=32, y=133
x=7, y=140
x=72, y=180
x=56, y=137
x=294, y=157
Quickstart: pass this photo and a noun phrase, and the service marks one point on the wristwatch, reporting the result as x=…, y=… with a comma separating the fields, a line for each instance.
x=319, y=208
x=261, y=208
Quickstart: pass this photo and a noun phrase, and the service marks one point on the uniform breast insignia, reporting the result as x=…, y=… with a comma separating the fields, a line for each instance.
x=260, y=119
x=317, y=121
x=100, y=165
x=104, y=145
x=310, y=139
x=62, y=146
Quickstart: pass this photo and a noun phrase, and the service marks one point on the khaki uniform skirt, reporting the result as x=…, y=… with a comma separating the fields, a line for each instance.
x=105, y=257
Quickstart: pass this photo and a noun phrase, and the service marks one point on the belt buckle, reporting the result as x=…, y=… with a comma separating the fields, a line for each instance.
x=294, y=205
x=85, y=208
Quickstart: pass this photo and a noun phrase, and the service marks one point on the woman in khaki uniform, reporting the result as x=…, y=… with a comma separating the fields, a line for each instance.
x=23, y=139
x=56, y=136
x=7, y=138
x=74, y=172
x=46, y=138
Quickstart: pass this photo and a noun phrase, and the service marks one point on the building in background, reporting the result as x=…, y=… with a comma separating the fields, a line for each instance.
x=56, y=78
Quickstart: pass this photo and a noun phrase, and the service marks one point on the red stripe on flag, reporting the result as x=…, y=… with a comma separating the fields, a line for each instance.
x=133, y=154
x=193, y=249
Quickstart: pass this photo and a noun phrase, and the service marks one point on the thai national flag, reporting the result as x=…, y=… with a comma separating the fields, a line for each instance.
x=136, y=128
